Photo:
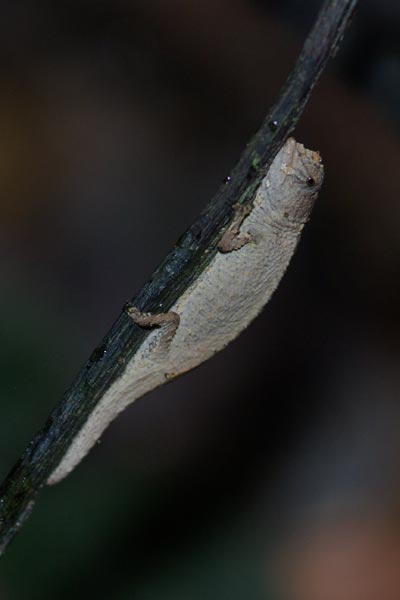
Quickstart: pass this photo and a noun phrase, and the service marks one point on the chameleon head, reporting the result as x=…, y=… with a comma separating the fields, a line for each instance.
x=296, y=176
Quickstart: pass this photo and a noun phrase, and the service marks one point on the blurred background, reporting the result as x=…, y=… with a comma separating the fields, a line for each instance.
x=272, y=471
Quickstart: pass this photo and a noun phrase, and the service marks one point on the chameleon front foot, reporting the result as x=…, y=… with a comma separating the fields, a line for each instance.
x=233, y=239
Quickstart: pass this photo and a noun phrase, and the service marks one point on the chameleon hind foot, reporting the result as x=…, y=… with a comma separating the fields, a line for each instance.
x=168, y=321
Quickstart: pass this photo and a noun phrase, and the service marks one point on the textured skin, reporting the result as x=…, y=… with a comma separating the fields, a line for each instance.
x=225, y=298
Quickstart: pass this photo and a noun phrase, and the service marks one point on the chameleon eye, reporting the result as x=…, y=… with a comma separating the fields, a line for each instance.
x=310, y=181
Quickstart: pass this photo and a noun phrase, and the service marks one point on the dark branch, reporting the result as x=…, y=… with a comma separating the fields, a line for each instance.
x=179, y=269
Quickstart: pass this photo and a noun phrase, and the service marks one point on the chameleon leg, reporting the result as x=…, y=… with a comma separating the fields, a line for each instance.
x=168, y=323
x=232, y=238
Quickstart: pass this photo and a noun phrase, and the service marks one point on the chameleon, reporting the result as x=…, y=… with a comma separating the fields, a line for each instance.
x=253, y=254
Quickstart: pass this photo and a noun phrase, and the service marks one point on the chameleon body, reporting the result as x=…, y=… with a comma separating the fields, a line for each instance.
x=254, y=253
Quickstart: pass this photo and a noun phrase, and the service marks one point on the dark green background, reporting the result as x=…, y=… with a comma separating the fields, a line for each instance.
x=119, y=119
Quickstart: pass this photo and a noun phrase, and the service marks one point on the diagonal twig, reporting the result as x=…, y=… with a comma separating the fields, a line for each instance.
x=178, y=270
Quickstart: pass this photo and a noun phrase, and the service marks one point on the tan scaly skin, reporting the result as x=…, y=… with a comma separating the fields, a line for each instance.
x=254, y=253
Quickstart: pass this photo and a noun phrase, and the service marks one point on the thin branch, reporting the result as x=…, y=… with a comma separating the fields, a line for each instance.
x=179, y=269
